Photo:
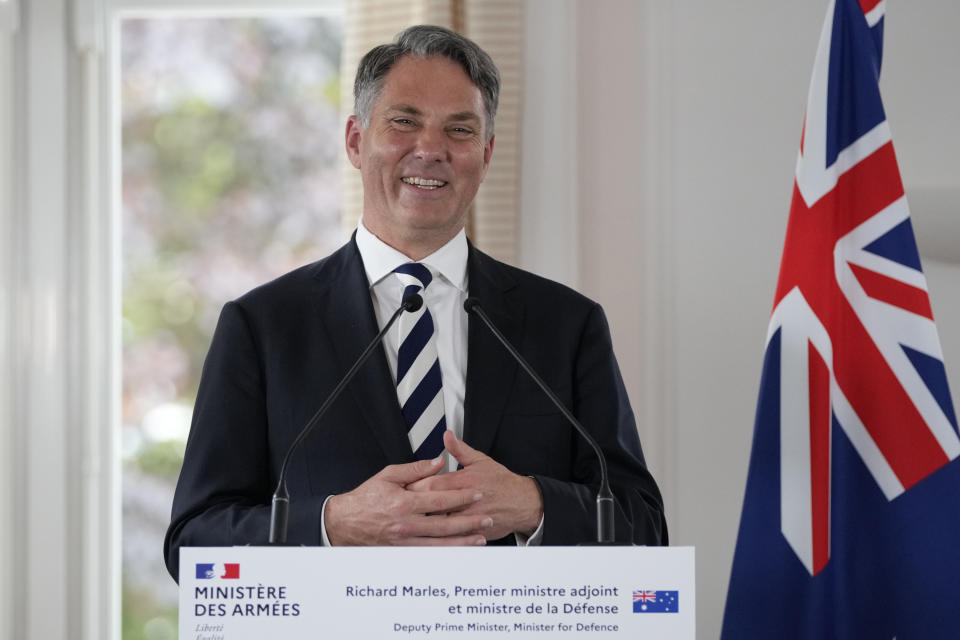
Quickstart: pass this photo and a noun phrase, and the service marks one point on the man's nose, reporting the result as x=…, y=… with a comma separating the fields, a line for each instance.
x=432, y=145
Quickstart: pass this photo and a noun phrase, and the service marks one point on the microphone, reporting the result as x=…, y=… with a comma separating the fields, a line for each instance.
x=279, y=510
x=605, y=525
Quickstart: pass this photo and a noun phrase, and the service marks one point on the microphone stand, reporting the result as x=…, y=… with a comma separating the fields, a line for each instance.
x=605, y=522
x=280, y=507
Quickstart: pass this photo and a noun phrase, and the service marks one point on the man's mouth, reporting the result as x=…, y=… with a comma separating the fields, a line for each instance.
x=423, y=183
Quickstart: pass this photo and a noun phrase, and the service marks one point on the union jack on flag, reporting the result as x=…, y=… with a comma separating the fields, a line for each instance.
x=853, y=481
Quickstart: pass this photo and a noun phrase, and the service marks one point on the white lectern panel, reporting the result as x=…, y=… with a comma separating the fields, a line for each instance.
x=257, y=593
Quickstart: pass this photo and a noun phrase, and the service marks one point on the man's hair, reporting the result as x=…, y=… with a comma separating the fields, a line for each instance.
x=426, y=41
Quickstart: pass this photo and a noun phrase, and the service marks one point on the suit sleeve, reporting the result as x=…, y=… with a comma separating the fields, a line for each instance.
x=229, y=469
x=600, y=403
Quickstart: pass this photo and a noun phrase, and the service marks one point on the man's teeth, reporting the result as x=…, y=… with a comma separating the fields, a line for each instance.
x=424, y=183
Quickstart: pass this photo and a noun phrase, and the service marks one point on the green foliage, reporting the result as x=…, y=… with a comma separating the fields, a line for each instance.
x=162, y=459
x=194, y=145
x=331, y=90
x=143, y=618
x=210, y=185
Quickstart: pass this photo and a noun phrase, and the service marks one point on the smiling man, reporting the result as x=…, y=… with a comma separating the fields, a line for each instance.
x=422, y=150
x=441, y=439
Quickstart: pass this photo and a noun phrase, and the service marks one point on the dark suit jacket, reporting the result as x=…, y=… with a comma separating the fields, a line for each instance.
x=280, y=349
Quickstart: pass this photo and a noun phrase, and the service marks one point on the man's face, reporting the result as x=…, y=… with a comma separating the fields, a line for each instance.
x=423, y=156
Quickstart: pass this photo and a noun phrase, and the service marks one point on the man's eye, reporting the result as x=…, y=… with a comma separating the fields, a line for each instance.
x=403, y=121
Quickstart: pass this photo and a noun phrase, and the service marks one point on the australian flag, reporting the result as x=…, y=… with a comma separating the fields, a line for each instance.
x=647, y=601
x=851, y=518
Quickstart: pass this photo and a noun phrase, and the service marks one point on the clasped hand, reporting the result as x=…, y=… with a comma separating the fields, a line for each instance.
x=414, y=504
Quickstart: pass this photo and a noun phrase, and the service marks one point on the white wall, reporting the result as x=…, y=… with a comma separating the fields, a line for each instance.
x=689, y=120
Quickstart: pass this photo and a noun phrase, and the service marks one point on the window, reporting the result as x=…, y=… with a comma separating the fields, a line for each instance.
x=230, y=134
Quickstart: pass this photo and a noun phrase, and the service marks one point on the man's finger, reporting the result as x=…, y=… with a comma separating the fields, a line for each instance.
x=441, y=482
x=442, y=501
x=440, y=526
x=464, y=453
x=460, y=541
x=404, y=474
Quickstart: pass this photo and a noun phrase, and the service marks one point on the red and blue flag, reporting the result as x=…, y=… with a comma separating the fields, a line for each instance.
x=648, y=601
x=853, y=482
x=210, y=570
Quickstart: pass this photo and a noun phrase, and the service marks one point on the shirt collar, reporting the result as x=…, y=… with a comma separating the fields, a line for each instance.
x=380, y=259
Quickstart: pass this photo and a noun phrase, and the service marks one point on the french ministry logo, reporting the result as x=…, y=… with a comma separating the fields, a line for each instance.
x=209, y=571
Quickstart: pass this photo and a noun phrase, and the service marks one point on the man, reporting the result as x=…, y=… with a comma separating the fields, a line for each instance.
x=470, y=451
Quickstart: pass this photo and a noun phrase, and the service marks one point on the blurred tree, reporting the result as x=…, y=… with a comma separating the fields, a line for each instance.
x=230, y=133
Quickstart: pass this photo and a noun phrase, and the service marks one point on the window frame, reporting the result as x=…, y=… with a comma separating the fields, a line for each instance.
x=60, y=305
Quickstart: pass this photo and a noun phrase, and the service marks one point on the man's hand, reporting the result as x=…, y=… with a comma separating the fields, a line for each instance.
x=513, y=501
x=381, y=511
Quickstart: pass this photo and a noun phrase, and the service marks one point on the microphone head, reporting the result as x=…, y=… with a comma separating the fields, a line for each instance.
x=470, y=304
x=412, y=302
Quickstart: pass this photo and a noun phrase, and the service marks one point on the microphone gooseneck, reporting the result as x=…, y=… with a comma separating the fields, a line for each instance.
x=280, y=507
x=605, y=522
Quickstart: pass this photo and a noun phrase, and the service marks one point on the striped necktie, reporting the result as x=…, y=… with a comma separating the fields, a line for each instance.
x=419, y=386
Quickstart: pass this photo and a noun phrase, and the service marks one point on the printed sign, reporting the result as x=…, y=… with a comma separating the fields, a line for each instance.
x=251, y=593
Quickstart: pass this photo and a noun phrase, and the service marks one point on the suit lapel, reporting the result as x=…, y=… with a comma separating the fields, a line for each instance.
x=351, y=324
x=490, y=368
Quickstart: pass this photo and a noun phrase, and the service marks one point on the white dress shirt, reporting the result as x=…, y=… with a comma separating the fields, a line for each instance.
x=444, y=297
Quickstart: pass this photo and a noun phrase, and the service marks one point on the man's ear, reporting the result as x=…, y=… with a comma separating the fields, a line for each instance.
x=487, y=155
x=352, y=140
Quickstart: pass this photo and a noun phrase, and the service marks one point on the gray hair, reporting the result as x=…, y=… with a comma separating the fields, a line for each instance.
x=425, y=41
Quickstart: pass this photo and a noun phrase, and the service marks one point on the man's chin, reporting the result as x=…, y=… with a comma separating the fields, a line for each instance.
x=427, y=222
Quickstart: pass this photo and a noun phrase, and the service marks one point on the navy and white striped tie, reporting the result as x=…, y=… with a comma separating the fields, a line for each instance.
x=419, y=385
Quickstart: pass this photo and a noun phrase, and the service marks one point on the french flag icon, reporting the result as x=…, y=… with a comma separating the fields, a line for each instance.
x=227, y=571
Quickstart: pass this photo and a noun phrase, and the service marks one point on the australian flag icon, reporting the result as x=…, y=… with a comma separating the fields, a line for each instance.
x=646, y=601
